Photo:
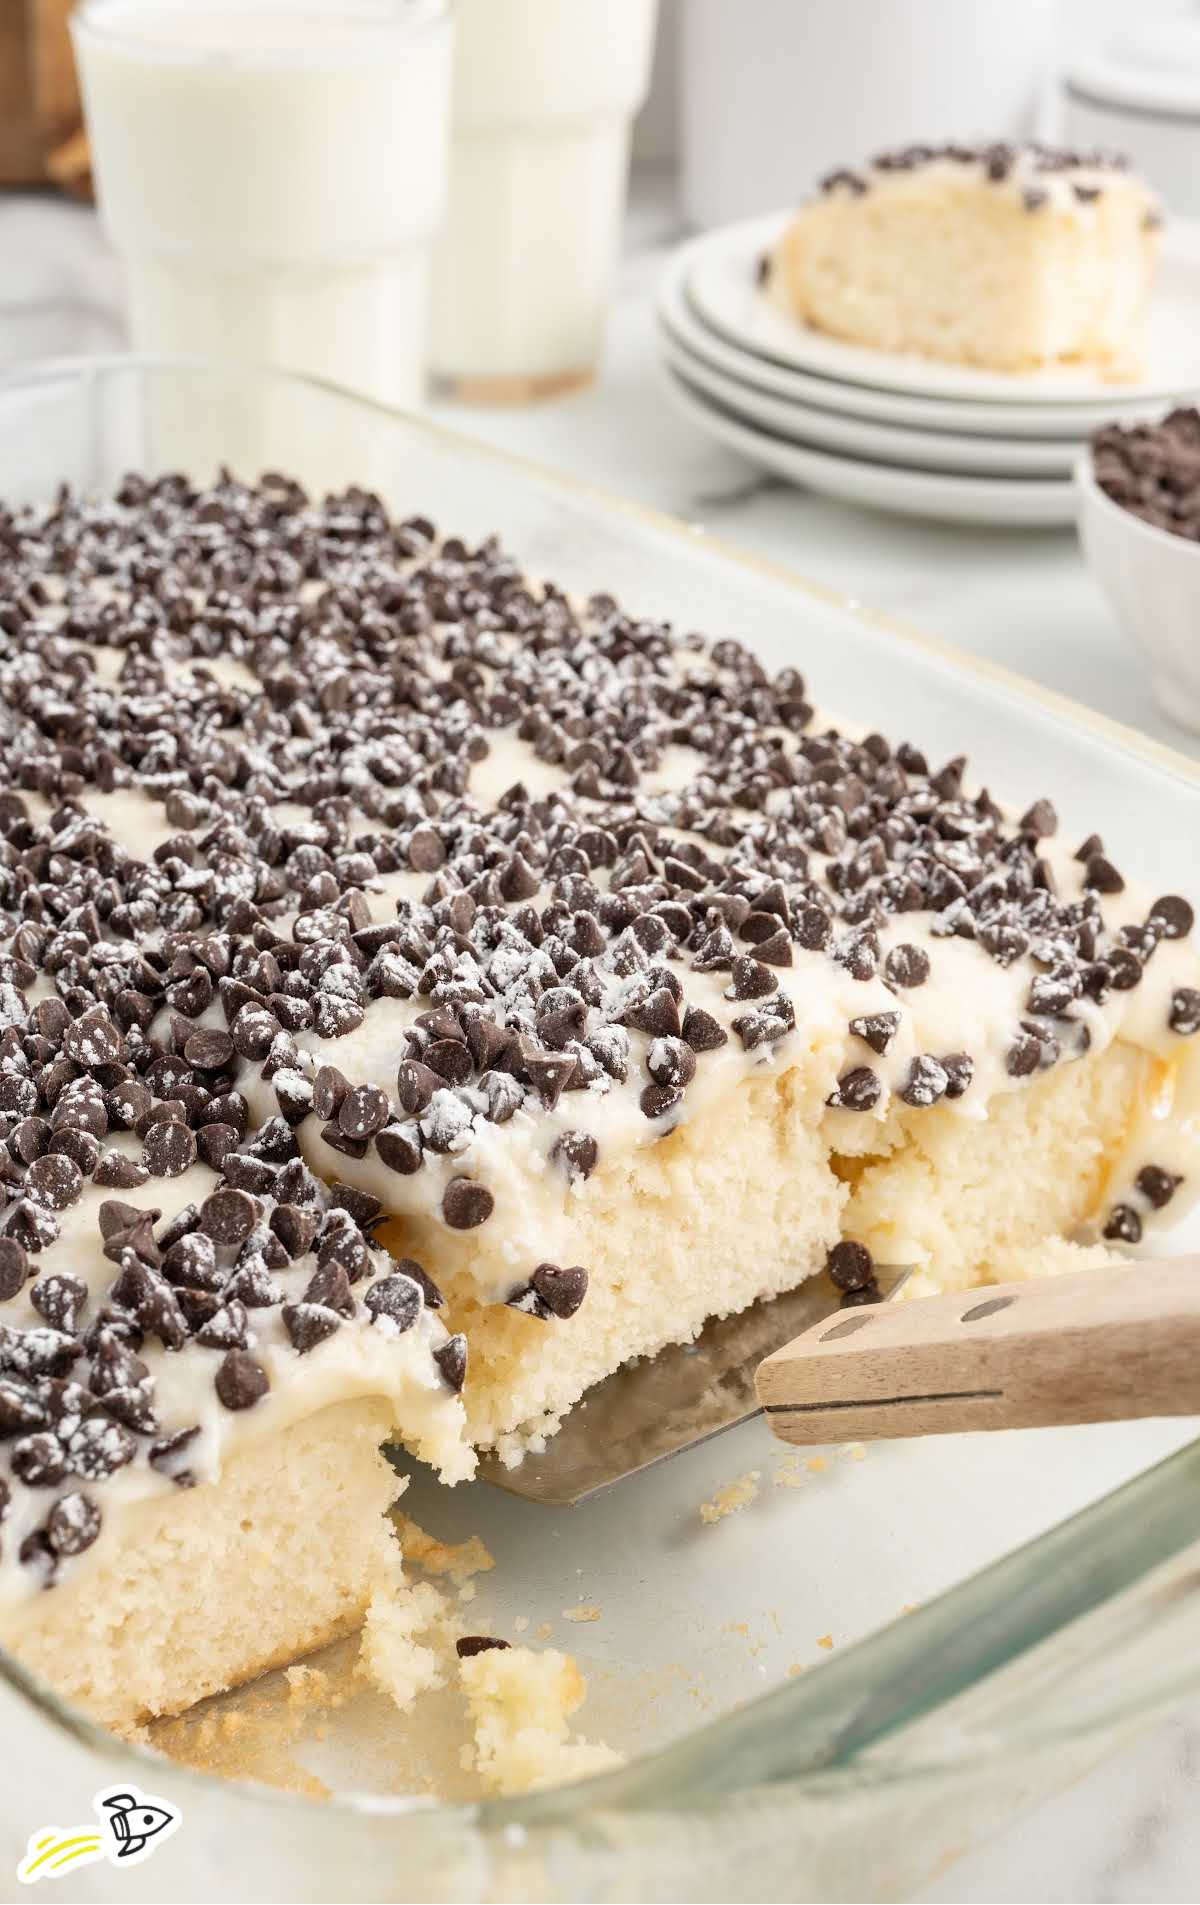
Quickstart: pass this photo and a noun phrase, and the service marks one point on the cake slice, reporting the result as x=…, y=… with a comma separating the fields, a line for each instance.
x=1007, y=257
x=192, y=1481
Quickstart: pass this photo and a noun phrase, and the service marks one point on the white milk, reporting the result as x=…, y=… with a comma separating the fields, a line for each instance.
x=544, y=96
x=272, y=173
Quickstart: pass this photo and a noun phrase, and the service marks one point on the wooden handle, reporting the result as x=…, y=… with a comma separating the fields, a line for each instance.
x=1093, y=1346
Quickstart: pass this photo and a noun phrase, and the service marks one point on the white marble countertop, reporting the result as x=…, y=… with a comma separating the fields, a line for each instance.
x=1131, y=1829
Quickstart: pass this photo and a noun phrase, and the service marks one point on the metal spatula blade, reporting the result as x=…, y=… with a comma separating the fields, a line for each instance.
x=652, y=1409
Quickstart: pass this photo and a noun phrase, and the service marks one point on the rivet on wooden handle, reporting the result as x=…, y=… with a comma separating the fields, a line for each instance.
x=1092, y=1346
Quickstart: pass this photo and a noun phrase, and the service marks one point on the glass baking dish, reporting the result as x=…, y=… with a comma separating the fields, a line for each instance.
x=887, y=1653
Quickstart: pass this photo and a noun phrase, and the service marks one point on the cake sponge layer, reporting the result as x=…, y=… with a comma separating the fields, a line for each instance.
x=746, y=1200
x=212, y=1585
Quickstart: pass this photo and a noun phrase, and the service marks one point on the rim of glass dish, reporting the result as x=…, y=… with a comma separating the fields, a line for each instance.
x=365, y=22
x=822, y=1726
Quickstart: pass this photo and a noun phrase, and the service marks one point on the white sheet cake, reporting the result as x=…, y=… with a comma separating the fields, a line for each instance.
x=423, y=992
x=1008, y=257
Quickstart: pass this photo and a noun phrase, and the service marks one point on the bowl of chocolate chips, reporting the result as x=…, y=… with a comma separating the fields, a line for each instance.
x=1139, y=522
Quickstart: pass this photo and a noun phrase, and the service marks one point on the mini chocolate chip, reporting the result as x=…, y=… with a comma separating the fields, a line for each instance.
x=415, y=1086
x=399, y=1147
x=465, y=1204
x=170, y=1456
x=657, y=1015
x=209, y=1050
x=1024, y=1055
x=296, y=1226
x=21, y=1407
x=1184, y=1015
x=29, y=1139
x=39, y=1460
x=55, y=1180
x=364, y=1111
x=877, y=1030
x=396, y=1299
x=329, y=1286
x=1173, y=916
x=925, y=1083
x=93, y=1040
x=1123, y=1226
x=226, y=1328
x=169, y=1148
x=906, y=966
x=776, y=950
x=240, y=1381
x=214, y=1142
x=850, y=1265
x=60, y=1299
x=80, y=1146
x=562, y=1291
x=308, y=1324
x=451, y=1359
x=577, y=1153
x=228, y=1216
x=1040, y=820
x=671, y=1061
x=1101, y=875
x=99, y=1447
x=329, y=1089
x=450, y=1060
x=14, y=1268
x=471, y=1644
x=857, y=1090
x=702, y=1032
x=750, y=980
x=1158, y=1186
x=657, y=1100
x=959, y=1068
x=813, y=928
x=72, y=1524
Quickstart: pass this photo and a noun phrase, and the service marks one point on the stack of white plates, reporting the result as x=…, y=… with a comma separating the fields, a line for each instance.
x=895, y=432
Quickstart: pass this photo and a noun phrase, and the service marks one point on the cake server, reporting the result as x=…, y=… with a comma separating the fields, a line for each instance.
x=659, y=1406
x=1103, y=1345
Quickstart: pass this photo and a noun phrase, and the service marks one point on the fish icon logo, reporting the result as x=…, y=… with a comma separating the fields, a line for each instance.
x=133, y=1824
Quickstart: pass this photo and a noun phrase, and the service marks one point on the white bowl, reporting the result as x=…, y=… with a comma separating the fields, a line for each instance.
x=1152, y=579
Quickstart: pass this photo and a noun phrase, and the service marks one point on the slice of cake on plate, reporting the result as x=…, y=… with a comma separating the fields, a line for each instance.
x=1004, y=257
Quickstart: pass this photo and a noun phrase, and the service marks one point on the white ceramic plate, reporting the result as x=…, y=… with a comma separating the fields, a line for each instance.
x=722, y=282
x=1070, y=420
x=998, y=501
x=805, y=424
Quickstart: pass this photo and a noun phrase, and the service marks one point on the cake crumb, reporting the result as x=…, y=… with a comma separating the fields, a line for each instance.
x=816, y=1465
x=391, y=1657
x=459, y=1560
x=467, y=1591
x=520, y=1624
x=520, y=1704
x=543, y=1631
x=734, y=1495
x=795, y=1670
x=825, y=1640
x=581, y=1613
x=856, y=1451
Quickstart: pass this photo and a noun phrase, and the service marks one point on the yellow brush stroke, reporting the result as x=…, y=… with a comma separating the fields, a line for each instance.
x=51, y=1847
x=81, y=1849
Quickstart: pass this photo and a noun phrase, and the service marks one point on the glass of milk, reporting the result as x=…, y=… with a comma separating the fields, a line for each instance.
x=272, y=173
x=544, y=97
